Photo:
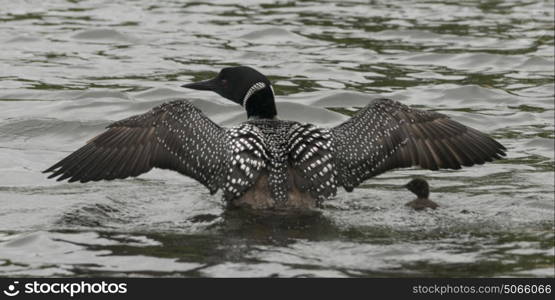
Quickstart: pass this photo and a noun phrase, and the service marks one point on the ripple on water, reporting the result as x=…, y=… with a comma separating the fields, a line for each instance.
x=71, y=253
x=275, y=35
x=105, y=35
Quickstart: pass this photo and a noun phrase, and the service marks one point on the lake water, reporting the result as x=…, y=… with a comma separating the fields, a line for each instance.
x=69, y=68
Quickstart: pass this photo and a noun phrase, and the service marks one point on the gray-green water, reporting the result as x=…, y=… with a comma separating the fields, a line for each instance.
x=68, y=68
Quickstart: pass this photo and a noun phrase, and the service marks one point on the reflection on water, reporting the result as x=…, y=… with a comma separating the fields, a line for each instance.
x=71, y=68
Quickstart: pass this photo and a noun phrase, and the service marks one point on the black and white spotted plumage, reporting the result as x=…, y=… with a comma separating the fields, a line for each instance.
x=279, y=148
x=311, y=152
x=387, y=135
x=174, y=135
x=269, y=163
x=248, y=158
x=177, y=136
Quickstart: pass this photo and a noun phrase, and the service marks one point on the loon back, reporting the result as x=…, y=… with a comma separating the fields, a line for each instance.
x=269, y=163
x=293, y=160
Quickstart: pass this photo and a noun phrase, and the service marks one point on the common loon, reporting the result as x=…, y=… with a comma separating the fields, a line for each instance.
x=266, y=163
x=421, y=189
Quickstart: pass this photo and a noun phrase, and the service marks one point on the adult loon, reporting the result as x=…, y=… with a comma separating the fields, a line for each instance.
x=266, y=163
x=421, y=189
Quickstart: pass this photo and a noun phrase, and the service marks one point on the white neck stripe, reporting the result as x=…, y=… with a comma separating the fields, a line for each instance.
x=254, y=88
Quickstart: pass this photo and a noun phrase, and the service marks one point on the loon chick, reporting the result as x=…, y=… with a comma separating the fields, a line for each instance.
x=266, y=163
x=421, y=189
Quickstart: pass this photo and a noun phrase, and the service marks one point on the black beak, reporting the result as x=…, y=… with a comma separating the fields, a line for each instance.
x=207, y=85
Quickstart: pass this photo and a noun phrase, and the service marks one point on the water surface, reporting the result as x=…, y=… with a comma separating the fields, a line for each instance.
x=69, y=68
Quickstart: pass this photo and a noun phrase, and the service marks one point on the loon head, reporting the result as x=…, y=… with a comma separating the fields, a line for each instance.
x=419, y=187
x=244, y=86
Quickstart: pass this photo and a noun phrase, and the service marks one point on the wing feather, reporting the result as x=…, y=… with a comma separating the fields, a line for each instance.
x=387, y=134
x=174, y=135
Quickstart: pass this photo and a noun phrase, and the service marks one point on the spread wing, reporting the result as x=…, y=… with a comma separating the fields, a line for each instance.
x=174, y=135
x=386, y=135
